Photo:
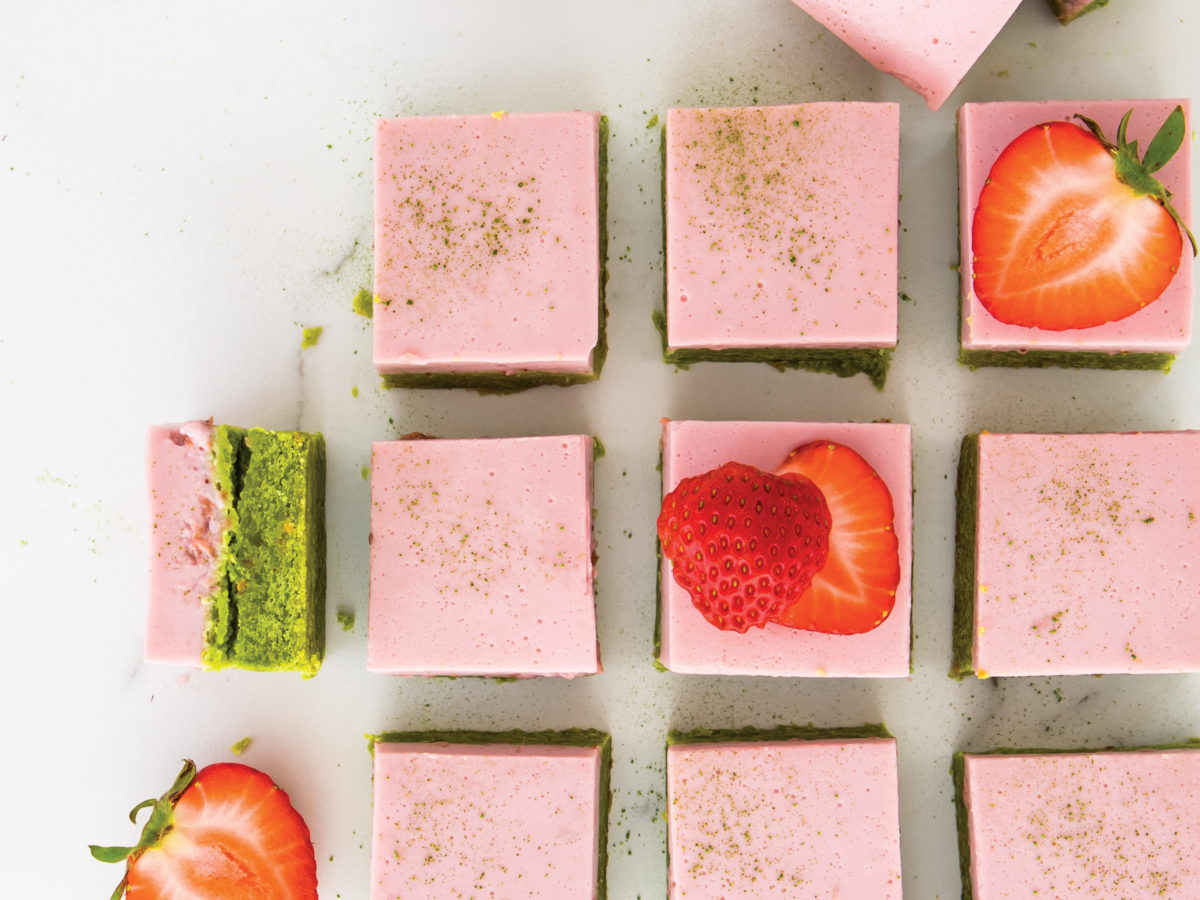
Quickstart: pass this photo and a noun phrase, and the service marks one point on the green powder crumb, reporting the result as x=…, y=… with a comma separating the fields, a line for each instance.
x=311, y=336
x=366, y=472
x=354, y=391
x=652, y=121
x=364, y=303
x=345, y=619
x=239, y=747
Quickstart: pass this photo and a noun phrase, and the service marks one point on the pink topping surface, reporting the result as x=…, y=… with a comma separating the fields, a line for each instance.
x=1071, y=826
x=453, y=820
x=781, y=226
x=487, y=243
x=481, y=557
x=812, y=819
x=691, y=645
x=1087, y=548
x=984, y=130
x=187, y=526
x=928, y=44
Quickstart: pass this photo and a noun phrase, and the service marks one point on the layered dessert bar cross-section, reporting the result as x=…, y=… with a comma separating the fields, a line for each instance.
x=780, y=230
x=237, y=547
x=791, y=812
x=468, y=814
x=1077, y=554
x=1076, y=825
x=481, y=557
x=489, y=250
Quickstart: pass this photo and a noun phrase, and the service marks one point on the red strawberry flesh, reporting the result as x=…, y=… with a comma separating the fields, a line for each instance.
x=744, y=543
x=856, y=589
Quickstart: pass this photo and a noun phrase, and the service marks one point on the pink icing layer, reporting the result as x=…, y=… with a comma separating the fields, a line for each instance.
x=454, y=820
x=691, y=645
x=1084, y=825
x=1086, y=552
x=928, y=44
x=812, y=819
x=487, y=243
x=187, y=525
x=781, y=226
x=481, y=557
x=984, y=130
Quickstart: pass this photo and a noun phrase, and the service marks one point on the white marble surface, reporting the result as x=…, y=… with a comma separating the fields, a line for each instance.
x=184, y=186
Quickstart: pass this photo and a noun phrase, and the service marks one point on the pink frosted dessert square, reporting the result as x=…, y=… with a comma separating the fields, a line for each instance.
x=488, y=253
x=763, y=815
x=1150, y=337
x=481, y=557
x=1080, y=825
x=688, y=643
x=929, y=45
x=777, y=248
x=1077, y=554
x=490, y=815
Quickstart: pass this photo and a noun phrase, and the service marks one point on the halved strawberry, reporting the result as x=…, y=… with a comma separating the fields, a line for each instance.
x=744, y=543
x=227, y=832
x=856, y=589
x=1072, y=231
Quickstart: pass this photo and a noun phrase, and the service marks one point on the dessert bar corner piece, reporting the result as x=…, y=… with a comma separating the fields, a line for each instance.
x=481, y=557
x=500, y=814
x=809, y=811
x=237, y=568
x=1122, y=298
x=490, y=250
x=929, y=45
x=688, y=643
x=1075, y=552
x=1070, y=10
x=780, y=233
x=1075, y=824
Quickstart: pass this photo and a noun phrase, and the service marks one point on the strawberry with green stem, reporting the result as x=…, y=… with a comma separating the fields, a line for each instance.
x=1073, y=230
x=224, y=832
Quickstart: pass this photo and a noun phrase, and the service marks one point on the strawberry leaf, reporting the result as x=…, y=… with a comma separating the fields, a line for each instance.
x=1167, y=142
x=137, y=809
x=110, y=854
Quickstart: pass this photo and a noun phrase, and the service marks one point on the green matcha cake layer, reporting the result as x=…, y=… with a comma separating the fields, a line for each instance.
x=269, y=610
x=499, y=383
x=1069, y=10
x=844, y=363
x=964, y=558
x=1042, y=359
x=958, y=774
x=570, y=737
x=779, y=733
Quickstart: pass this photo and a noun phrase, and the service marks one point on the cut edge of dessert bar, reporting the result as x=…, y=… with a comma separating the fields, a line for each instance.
x=778, y=733
x=266, y=611
x=567, y=737
x=524, y=379
x=958, y=775
x=966, y=500
x=1068, y=11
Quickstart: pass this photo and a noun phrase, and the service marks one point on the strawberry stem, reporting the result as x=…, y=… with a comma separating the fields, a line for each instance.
x=1136, y=172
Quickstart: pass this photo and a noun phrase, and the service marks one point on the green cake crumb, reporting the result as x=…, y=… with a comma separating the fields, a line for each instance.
x=354, y=391
x=239, y=747
x=345, y=619
x=652, y=121
x=364, y=303
x=366, y=472
x=311, y=336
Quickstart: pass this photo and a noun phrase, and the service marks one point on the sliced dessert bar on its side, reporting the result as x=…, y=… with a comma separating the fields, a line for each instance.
x=237, y=568
x=1079, y=823
x=790, y=811
x=490, y=250
x=503, y=814
x=1019, y=305
x=482, y=557
x=780, y=236
x=1075, y=554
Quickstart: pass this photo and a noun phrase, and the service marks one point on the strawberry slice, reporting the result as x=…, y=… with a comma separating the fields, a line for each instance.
x=856, y=589
x=225, y=832
x=744, y=543
x=1072, y=231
